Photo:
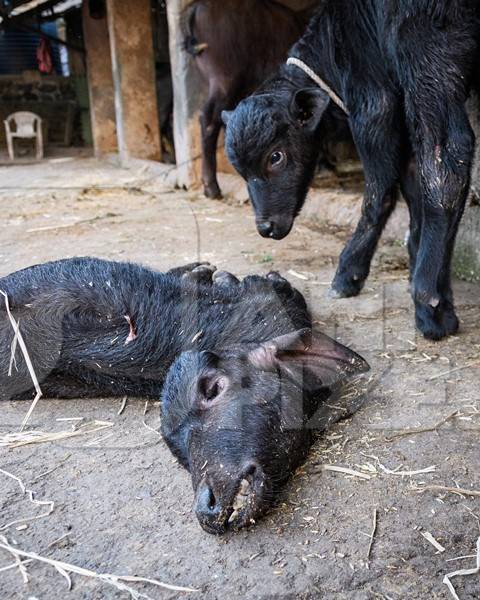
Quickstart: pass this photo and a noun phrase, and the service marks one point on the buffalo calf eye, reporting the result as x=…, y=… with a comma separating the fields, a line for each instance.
x=277, y=159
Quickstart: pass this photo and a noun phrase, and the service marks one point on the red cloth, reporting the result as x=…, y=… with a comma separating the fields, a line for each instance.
x=44, y=57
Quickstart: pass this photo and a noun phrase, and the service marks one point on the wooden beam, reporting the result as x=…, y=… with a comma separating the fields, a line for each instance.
x=189, y=95
x=36, y=9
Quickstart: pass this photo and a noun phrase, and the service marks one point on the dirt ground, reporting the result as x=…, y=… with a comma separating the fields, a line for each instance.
x=121, y=503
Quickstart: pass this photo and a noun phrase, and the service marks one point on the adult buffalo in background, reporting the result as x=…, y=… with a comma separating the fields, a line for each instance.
x=237, y=45
x=403, y=68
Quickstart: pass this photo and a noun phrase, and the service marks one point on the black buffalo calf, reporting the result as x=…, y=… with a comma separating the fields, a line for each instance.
x=237, y=365
x=399, y=71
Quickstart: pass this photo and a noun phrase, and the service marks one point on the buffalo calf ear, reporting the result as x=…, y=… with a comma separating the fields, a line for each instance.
x=330, y=362
x=226, y=114
x=307, y=352
x=266, y=355
x=307, y=107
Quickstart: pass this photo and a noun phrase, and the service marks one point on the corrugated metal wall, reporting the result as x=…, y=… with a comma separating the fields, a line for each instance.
x=18, y=51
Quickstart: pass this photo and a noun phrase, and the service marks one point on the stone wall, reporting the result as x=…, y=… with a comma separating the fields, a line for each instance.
x=35, y=87
x=52, y=97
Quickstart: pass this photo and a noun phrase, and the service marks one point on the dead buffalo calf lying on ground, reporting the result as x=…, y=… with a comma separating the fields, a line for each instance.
x=237, y=365
x=402, y=70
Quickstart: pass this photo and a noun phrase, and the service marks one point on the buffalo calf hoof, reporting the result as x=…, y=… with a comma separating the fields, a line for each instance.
x=450, y=320
x=346, y=286
x=224, y=279
x=201, y=274
x=277, y=278
x=213, y=191
x=279, y=282
x=333, y=294
x=436, y=323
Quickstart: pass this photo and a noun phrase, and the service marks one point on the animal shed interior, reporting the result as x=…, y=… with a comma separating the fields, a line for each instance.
x=386, y=504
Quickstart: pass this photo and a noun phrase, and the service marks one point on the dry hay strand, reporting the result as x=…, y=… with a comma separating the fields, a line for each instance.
x=462, y=573
x=372, y=535
x=473, y=363
x=18, y=564
x=450, y=490
x=48, y=471
x=24, y=438
x=145, y=424
x=32, y=499
x=345, y=471
x=417, y=430
x=298, y=275
x=122, y=406
x=399, y=473
x=65, y=569
x=431, y=540
x=18, y=339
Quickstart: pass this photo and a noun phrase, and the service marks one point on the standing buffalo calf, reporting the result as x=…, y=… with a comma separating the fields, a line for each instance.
x=237, y=44
x=403, y=70
x=239, y=369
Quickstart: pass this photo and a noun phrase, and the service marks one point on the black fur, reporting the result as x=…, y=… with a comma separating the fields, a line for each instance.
x=404, y=69
x=236, y=363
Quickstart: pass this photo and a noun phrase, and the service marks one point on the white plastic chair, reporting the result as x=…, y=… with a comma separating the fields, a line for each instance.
x=24, y=125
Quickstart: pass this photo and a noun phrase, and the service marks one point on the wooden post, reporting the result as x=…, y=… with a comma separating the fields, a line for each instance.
x=131, y=45
x=100, y=83
x=189, y=94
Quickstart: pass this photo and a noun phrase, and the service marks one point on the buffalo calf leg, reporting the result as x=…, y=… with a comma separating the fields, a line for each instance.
x=211, y=124
x=445, y=155
x=410, y=188
x=381, y=157
x=440, y=320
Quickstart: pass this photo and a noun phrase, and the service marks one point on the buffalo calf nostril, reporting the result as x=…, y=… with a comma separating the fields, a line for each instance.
x=211, y=500
x=206, y=505
x=265, y=228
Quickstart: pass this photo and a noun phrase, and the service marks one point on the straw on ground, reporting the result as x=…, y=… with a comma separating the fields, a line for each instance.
x=24, y=438
x=18, y=338
x=65, y=569
x=32, y=499
x=462, y=573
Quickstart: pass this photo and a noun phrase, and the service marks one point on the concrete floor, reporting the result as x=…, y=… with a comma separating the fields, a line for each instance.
x=124, y=505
